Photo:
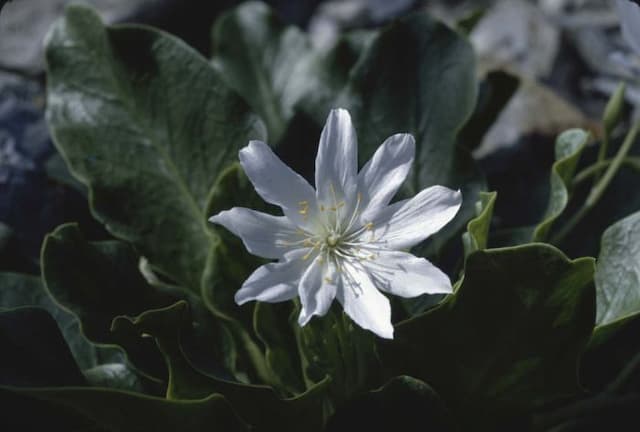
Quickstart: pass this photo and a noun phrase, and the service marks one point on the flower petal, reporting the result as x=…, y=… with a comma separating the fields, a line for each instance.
x=380, y=178
x=629, y=14
x=317, y=290
x=275, y=282
x=363, y=302
x=337, y=160
x=278, y=184
x=263, y=235
x=406, y=275
x=407, y=223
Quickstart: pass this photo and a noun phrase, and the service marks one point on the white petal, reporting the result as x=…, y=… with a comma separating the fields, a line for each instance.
x=407, y=223
x=406, y=275
x=382, y=176
x=275, y=282
x=317, y=290
x=337, y=160
x=629, y=14
x=262, y=234
x=363, y=302
x=278, y=184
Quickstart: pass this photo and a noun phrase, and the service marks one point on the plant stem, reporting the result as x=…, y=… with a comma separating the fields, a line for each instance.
x=590, y=171
x=602, y=151
x=600, y=186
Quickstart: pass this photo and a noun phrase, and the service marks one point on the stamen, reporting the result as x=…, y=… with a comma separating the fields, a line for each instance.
x=315, y=246
x=354, y=215
x=304, y=209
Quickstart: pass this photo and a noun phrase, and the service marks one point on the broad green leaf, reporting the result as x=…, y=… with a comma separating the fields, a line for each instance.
x=495, y=92
x=618, y=271
x=427, y=88
x=98, y=281
x=118, y=376
x=228, y=266
x=276, y=68
x=508, y=340
x=274, y=324
x=264, y=60
x=19, y=290
x=259, y=406
x=147, y=124
x=569, y=147
x=477, y=234
x=34, y=352
x=103, y=410
x=402, y=401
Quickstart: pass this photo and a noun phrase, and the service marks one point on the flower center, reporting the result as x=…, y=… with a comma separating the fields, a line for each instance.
x=332, y=240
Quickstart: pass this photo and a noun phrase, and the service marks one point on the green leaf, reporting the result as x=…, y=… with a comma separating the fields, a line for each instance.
x=147, y=124
x=403, y=400
x=264, y=60
x=508, y=340
x=117, y=376
x=98, y=281
x=19, y=290
x=427, y=88
x=103, y=410
x=257, y=405
x=569, y=147
x=477, y=234
x=276, y=68
x=34, y=353
x=274, y=324
x=228, y=266
x=495, y=92
x=618, y=270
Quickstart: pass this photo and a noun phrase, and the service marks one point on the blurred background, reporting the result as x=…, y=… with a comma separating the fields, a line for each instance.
x=568, y=55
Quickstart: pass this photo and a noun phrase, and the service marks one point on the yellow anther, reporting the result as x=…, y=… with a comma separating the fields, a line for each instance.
x=327, y=280
x=368, y=226
x=304, y=208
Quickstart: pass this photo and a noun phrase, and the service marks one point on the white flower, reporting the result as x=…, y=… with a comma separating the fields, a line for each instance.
x=342, y=240
x=629, y=14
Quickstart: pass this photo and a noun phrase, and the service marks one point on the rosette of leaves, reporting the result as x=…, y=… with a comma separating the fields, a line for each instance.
x=152, y=129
